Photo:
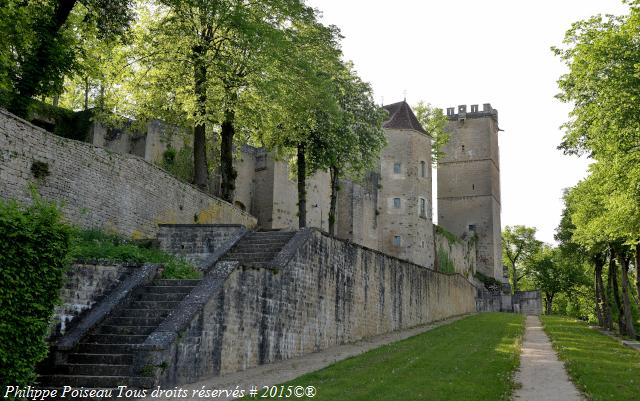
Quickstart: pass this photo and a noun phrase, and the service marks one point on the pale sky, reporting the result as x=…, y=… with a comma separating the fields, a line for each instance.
x=473, y=52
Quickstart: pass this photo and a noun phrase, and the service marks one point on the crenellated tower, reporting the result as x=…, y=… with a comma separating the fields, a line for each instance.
x=469, y=183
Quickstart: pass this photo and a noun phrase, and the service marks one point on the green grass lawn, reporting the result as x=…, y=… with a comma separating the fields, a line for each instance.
x=599, y=365
x=471, y=359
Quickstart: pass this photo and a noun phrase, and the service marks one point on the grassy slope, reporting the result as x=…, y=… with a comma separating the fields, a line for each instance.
x=471, y=359
x=599, y=365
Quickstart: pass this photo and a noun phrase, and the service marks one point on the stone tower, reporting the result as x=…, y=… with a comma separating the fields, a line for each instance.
x=404, y=208
x=469, y=183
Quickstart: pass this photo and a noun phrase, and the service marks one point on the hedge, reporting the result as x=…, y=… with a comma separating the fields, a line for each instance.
x=33, y=248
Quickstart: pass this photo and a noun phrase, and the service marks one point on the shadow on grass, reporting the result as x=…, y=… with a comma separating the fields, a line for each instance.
x=472, y=359
x=599, y=365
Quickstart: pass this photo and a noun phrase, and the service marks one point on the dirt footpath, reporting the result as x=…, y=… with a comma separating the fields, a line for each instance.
x=280, y=372
x=541, y=375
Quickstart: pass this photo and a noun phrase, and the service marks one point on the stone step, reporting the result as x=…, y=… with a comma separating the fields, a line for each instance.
x=265, y=241
x=150, y=296
x=133, y=321
x=95, y=381
x=167, y=289
x=116, y=338
x=249, y=259
x=109, y=349
x=143, y=312
x=127, y=330
x=154, y=304
x=254, y=254
x=93, y=370
x=257, y=248
x=176, y=283
x=270, y=233
x=99, y=359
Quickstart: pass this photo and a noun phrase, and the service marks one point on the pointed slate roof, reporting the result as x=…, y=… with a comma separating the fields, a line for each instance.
x=401, y=117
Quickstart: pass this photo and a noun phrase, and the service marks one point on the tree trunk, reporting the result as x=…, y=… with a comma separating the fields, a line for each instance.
x=200, y=166
x=36, y=64
x=626, y=302
x=335, y=174
x=637, y=263
x=514, y=279
x=86, y=93
x=548, y=302
x=613, y=283
x=302, y=182
x=602, y=300
x=598, y=305
x=227, y=172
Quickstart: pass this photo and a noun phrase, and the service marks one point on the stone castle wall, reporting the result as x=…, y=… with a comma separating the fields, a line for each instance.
x=456, y=253
x=99, y=188
x=330, y=292
x=85, y=285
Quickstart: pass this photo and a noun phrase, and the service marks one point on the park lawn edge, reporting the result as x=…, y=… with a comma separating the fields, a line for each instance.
x=506, y=348
x=607, y=383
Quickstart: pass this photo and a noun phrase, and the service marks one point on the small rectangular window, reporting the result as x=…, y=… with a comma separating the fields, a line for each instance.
x=423, y=207
x=396, y=240
x=423, y=169
x=472, y=228
x=396, y=203
x=397, y=167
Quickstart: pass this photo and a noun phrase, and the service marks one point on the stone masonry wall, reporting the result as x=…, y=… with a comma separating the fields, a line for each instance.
x=195, y=243
x=461, y=254
x=85, y=284
x=330, y=292
x=99, y=188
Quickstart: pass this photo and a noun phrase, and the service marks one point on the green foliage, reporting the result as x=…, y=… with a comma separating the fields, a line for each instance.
x=434, y=122
x=95, y=244
x=599, y=365
x=553, y=272
x=42, y=41
x=519, y=246
x=33, y=256
x=445, y=264
x=450, y=362
x=490, y=283
x=452, y=238
x=179, y=163
x=602, y=83
x=39, y=169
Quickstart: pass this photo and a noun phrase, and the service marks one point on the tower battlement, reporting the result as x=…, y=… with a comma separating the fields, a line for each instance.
x=473, y=112
x=469, y=182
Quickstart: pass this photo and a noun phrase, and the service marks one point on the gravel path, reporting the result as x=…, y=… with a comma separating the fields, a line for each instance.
x=542, y=375
x=280, y=372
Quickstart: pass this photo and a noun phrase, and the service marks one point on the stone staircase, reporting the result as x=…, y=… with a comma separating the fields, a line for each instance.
x=104, y=357
x=258, y=248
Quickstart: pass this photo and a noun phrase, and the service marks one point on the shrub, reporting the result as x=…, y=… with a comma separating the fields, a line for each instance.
x=33, y=250
x=95, y=244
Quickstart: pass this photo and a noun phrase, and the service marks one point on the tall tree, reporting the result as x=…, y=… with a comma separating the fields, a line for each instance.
x=519, y=246
x=42, y=46
x=434, y=122
x=602, y=54
x=306, y=100
x=350, y=144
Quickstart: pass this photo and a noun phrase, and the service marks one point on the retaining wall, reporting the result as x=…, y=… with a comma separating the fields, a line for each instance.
x=99, y=188
x=86, y=283
x=320, y=292
x=456, y=254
